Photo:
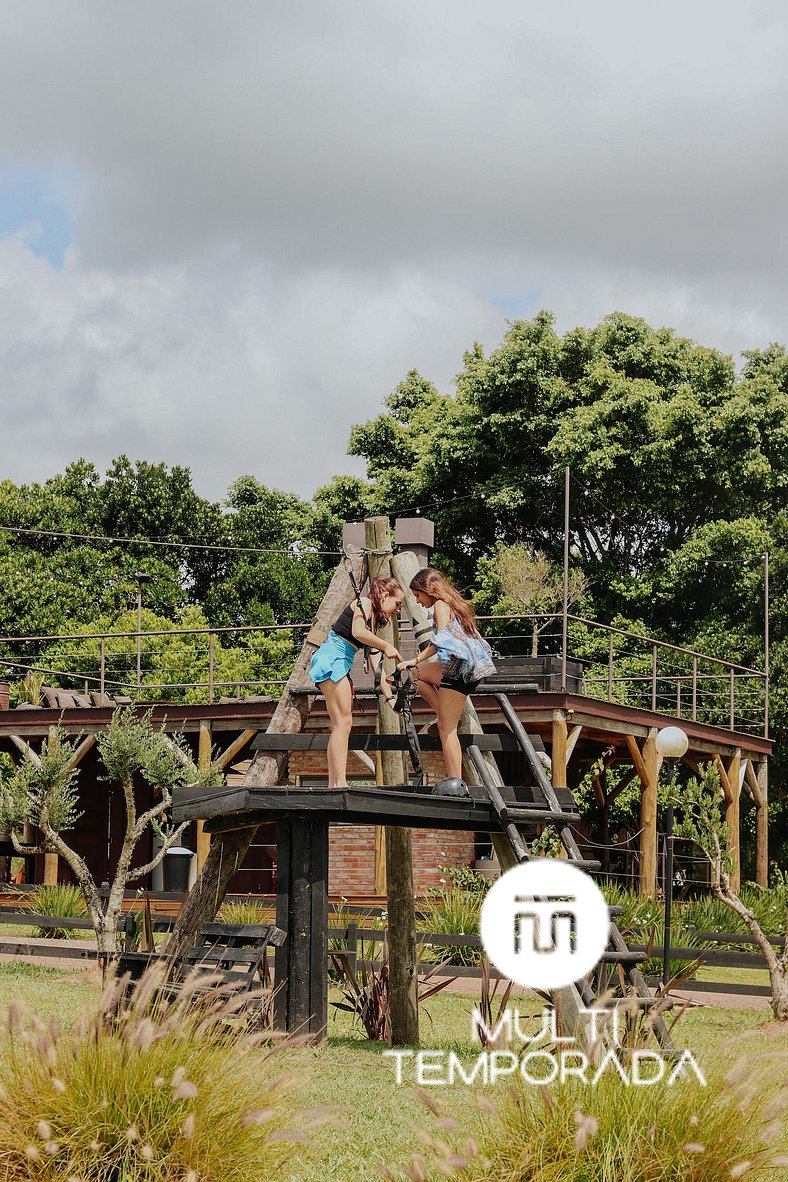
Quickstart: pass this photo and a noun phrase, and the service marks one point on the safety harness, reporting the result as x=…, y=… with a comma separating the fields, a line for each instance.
x=404, y=692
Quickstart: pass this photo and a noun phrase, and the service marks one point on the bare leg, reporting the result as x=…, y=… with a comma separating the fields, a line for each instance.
x=339, y=702
x=450, y=706
x=428, y=677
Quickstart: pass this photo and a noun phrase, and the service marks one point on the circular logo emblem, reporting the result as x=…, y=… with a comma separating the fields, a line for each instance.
x=544, y=924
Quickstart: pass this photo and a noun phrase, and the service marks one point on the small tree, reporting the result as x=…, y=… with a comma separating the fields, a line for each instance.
x=43, y=791
x=531, y=583
x=702, y=822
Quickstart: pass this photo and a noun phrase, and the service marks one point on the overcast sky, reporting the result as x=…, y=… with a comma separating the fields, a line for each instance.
x=227, y=230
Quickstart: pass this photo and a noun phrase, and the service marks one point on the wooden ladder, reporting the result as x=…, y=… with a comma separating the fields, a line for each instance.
x=512, y=818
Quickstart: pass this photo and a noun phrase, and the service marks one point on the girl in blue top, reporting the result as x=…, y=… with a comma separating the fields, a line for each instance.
x=331, y=664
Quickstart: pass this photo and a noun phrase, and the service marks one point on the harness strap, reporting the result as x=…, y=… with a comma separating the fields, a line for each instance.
x=359, y=604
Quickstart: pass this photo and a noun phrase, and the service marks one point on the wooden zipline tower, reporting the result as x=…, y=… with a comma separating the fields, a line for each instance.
x=303, y=816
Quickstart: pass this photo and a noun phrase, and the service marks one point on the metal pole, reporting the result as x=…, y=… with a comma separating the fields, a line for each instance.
x=211, y=639
x=610, y=668
x=565, y=624
x=766, y=644
x=103, y=663
x=139, y=638
x=694, y=688
x=654, y=678
x=732, y=702
x=668, y=879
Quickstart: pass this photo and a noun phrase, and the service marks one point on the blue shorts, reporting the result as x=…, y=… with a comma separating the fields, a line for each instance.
x=333, y=660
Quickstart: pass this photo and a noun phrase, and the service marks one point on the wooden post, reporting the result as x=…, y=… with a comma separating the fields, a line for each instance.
x=204, y=762
x=380, y=835
x=558, y=750
x=762, y=825
x=301, y=1001
x=51, y=861
x=647, y=767
x=228, y=849
x=732, y=797
x=403, y=970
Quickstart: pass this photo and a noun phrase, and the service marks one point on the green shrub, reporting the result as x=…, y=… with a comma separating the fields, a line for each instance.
x=614, y=1133
x=247, y=911
x=64, y=900
x=158, y=1093
x=452, y=911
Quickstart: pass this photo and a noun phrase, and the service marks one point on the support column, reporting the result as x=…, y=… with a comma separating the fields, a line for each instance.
x=762, y=825
x=403, y=971
x=204, y=762
x=647, y=767
x=558, y=754
x=729, y=779
x=301, y=964
x=51, y=861
x=732, y=815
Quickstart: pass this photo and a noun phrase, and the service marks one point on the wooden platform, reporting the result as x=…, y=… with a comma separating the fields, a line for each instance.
x=239, y=807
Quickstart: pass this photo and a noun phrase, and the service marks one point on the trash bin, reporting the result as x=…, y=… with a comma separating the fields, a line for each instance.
x=177, y=864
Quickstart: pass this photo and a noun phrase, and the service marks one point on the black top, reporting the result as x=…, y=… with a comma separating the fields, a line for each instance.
x=344, y=626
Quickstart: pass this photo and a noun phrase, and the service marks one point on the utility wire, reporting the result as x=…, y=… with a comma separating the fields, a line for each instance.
x=48, y=533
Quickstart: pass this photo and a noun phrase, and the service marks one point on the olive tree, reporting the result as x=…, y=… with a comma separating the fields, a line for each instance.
x=702, y=822
x=43, y=791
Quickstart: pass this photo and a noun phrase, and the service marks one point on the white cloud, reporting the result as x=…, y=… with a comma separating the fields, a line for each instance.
x=281, y=208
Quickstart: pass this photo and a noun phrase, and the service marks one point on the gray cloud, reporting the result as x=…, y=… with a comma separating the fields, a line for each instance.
x=283, y=207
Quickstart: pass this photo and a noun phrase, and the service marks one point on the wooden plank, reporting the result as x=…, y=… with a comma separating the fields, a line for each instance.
x=227, y=757
x=313, y=741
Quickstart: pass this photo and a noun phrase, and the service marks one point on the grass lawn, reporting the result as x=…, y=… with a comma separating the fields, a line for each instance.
x=380, y=1126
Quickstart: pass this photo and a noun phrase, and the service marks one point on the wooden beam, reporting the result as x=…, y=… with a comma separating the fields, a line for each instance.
x=722, y=771
x=571, y=742
x=86, y=745
x=236, y=747
x=637, y=759
x=25, y=749
x=204, y=752
x=623, y=783
x=752, y=781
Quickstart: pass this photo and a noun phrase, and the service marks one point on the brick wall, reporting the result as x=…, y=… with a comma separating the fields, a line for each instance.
x=352, y=847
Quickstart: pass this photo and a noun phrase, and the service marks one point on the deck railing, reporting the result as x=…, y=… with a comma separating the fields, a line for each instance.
x=618, y=665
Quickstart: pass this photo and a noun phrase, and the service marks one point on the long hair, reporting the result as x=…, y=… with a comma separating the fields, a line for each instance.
x=378, y=590
x=433, y=583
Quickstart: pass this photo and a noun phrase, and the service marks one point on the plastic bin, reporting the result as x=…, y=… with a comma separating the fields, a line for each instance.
x=177, y=864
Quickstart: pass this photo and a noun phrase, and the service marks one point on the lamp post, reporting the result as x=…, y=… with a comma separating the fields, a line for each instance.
x=141, y=578
x=671, y=744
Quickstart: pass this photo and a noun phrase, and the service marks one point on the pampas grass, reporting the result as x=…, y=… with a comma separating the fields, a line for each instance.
x=161, y=1090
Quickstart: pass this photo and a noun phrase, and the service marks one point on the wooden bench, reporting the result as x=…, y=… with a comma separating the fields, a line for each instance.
x=233, y=954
